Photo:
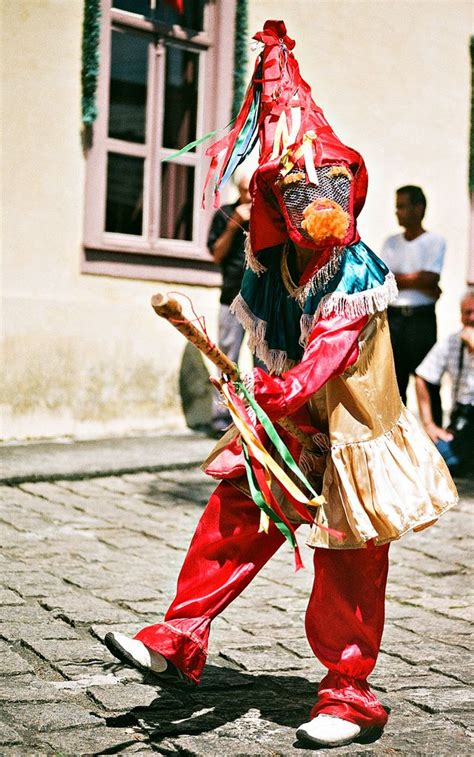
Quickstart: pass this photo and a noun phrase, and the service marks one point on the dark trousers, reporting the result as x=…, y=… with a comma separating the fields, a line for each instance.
x=413, y=333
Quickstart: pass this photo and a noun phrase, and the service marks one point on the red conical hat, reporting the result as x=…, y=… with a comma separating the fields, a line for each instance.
x=308, y=185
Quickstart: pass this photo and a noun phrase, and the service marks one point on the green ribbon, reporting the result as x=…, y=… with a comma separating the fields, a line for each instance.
x=257, y=497
x=278, y=443
x=196, y=142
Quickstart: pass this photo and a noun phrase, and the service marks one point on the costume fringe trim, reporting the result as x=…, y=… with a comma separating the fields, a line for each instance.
x=315, y=462
x=355, y=305
x=276, y=361
x=250, y=259
x=319, y=280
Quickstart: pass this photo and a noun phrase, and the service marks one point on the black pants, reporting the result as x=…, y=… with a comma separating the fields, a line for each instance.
x=413, y=333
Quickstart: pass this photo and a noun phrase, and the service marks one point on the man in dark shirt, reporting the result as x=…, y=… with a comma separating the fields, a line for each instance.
x=226, y=242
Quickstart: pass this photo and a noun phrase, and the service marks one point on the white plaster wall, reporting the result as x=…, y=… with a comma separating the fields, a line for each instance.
x=84, y=355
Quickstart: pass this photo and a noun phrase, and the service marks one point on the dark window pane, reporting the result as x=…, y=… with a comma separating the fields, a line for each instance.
x=124, y=194
x=142, y=7
x=192, y=16
x=128, y=76
x=181, y=96
x=177, y=197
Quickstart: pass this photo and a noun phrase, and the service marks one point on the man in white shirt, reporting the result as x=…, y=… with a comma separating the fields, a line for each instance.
x=416, y=258
x=454, y=356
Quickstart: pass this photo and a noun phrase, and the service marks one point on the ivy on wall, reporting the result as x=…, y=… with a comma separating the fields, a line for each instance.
x=240, y=55
x=471, y=150
x=90, y=60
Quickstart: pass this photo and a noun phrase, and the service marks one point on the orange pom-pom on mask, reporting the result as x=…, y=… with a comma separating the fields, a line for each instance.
x=324, y=219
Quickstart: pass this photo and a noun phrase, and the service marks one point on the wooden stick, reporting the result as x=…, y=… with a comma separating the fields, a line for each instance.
x=170, y=309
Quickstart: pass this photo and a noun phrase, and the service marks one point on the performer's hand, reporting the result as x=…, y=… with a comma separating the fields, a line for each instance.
x=436, y=433
x=218, y=382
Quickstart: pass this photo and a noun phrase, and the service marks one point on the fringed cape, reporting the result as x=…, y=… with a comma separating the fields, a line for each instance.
x=279, y=315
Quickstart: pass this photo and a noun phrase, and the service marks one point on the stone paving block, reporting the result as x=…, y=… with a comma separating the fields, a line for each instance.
x=11, y=663
x=441, y=701
x=261, y=657
x=34, y=691
x=85, y=609
x=71, y=651
x=125, y=540
x=459, y=671
x=208, y=744
x=129, y=629
x=44, y=718
x=26, y=751
x=433, y=626
x=229, y=635
x=449, y=741
x=121, y=697
x=218, y=677
x=9, y=735
x=39, y=632
x=33, y=584
x=455, y=609
x=298, y=646
x=121, y=592
x=8, y=597
x=87, y=674
x=154, y=608
x=78, y=685
x=89, y=741
x=93, y=578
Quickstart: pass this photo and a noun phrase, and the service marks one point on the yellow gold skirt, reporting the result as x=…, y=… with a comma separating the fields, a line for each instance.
x=381, y=488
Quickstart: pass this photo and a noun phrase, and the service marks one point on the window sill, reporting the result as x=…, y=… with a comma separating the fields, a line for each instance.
x=136, y=265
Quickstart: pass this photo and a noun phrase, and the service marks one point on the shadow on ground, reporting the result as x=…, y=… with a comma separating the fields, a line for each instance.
x=225, y=697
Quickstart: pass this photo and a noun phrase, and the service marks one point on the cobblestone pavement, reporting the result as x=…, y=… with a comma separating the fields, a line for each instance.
x=82, y=557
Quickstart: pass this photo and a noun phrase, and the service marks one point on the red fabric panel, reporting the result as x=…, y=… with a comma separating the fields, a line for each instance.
x=344, y=624
x=331, y=349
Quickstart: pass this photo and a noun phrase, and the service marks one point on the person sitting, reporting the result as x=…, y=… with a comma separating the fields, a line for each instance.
x=454, y=356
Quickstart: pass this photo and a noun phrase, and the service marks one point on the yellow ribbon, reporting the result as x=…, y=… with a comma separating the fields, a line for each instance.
x=260, y=453
x=289, y=158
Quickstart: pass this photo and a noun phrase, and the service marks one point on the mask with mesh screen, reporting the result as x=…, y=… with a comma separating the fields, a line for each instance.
x=317, y=214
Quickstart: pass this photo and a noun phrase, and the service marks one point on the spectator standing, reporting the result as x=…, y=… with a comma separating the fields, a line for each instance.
x=226, y=242
x=455, y=356
x=416, y=258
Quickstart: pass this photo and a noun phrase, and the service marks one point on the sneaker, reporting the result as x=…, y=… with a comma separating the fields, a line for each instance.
x=135, y=653
x=328, y=731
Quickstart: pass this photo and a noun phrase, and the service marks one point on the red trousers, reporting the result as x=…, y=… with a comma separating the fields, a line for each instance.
x=344, y=619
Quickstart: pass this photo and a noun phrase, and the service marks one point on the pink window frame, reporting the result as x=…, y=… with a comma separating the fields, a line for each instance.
x=144, y=257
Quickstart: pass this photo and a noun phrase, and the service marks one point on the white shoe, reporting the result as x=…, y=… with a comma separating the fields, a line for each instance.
x=135, y=653
x=329, y=731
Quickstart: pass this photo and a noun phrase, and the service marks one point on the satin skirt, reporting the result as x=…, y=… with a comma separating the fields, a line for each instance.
x=344, y=618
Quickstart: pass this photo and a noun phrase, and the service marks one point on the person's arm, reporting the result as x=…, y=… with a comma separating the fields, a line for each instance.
x=332, y=348
x=424, y=281
x=221, y=247
x=467, y=337
x=424, y=405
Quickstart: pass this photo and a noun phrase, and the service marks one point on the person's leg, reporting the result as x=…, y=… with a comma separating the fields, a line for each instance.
x=421, y=336
x=344, y=624
x=231, y=335
x=226, y=552
x=398, y=338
